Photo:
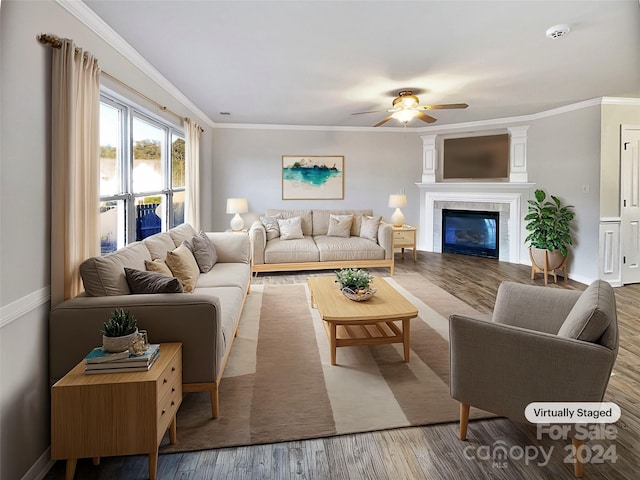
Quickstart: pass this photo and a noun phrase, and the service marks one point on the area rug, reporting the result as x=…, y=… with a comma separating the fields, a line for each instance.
x=279, y=384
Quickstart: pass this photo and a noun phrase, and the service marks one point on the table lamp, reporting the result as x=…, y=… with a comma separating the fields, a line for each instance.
x=397, y=201
x=237, y=206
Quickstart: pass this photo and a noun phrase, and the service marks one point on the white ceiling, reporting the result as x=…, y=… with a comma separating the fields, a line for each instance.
x=317, y=62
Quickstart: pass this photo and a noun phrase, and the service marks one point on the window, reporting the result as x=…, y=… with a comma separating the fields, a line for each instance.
x=142, y=174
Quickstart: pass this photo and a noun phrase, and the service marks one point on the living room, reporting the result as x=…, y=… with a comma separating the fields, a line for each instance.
x=567, y=148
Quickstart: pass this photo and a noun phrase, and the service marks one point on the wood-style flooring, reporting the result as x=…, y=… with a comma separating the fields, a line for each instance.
x=432, y=452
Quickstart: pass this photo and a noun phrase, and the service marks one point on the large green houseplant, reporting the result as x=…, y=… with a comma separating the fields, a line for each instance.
x=549, y=227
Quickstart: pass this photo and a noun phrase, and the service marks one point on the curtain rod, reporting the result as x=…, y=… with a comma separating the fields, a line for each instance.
x=56, y=42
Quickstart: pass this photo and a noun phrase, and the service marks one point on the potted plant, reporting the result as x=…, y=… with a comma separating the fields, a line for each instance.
x=355, y=283
x=549, y=224
x=120, y=331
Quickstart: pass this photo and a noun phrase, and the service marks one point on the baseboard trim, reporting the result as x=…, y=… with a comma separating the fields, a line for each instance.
x=42, y=466
x=24, y=305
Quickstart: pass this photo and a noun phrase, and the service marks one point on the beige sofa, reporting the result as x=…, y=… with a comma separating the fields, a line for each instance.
x=317, y=250
x=205, y=321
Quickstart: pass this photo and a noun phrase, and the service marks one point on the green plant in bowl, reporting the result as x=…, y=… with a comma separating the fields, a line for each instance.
x=355, y=279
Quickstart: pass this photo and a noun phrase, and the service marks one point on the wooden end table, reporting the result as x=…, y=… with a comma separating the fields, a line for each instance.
x=385, y=318
x=405, y=237
x=110, y=414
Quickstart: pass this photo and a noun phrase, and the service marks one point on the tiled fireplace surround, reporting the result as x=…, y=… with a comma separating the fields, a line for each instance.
x=509, y=198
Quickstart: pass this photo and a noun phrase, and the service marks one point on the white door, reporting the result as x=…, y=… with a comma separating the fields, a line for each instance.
x=630, y=209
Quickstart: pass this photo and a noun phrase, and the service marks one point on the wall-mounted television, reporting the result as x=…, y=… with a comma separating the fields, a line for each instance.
x=483, y=157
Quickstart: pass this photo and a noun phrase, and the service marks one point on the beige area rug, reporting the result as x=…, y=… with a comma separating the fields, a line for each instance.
x=279, y=384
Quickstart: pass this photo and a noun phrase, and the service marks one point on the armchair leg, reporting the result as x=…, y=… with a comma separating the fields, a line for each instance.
x=464, y=420
x=577, y=456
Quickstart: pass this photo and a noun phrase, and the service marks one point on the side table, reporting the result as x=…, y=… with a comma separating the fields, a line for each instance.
x=405, y=237
x=110, y=414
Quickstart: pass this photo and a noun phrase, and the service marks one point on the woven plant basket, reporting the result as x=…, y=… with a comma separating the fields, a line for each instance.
x=119, y=344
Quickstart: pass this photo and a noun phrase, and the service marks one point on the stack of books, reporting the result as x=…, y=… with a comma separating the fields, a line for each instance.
x=99, y=361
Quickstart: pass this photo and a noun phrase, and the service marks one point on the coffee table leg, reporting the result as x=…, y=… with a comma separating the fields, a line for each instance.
x=332, y=342
x=153, y=465
x=406, y=335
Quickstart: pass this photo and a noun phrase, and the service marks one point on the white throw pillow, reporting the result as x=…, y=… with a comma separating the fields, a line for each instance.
x=290, y=228
x=271, y=226
x=340, y=225
x=369, y=228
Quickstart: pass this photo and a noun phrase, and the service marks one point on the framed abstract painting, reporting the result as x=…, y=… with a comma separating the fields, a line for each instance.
x=312, y=177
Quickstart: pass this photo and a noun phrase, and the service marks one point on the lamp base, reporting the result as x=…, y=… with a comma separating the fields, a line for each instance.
x=397, y=218
x=237, y=223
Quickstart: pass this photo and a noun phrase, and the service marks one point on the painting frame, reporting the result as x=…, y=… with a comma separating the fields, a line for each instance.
x=312, y=177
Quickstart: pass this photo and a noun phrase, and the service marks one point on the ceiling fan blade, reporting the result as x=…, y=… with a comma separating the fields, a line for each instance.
x=372, y=111
x=382, y=122
x=443, y=106
x=426, y=118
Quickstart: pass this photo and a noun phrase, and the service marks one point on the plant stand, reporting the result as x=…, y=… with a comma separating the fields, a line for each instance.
x=546, y=270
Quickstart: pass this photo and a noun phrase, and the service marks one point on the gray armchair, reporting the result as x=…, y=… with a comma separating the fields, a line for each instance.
x=541, y=345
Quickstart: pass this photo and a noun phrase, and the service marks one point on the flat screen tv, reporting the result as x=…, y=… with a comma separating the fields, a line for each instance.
x=484, y=157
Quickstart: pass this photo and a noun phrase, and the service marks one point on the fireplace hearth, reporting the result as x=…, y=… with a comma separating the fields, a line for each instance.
x=471, y=232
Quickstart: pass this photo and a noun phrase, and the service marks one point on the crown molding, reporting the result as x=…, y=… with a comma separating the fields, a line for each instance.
x=98, y=26
x=270, y=126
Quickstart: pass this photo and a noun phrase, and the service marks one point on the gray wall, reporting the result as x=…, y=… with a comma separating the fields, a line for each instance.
x=24, y=207
x=563, y=154
x=248, y=163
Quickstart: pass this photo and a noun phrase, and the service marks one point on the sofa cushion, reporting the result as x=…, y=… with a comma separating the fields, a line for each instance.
x=181, y=233
x=141, y=281
x=291, y=251
x=183, y=266
x=591, y=314
x=226, y=275
x=203, y=251
x=104, y=276
x=369, y=228
x=271, y=226
x=340, y=225
x=352, y=248
x=290, y=228
x=158, y=266
x=159, y=244
x=305, y=216
x=321, y=220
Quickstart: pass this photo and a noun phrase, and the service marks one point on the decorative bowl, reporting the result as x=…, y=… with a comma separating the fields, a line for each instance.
x=358, y=296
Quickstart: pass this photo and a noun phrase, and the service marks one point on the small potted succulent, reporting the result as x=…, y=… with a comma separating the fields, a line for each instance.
x=120, y=331
x=355, y=283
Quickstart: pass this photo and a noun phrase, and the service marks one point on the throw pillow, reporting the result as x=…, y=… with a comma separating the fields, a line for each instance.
x=340, y=225
x=271, y=226
x=151, y=282
x=591, y=314
x=183, y=266
x=158, y=266
x=290, y=228
x=369, y=228
x=203, y=251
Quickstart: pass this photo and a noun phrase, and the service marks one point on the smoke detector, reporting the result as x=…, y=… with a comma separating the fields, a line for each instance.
x=558, y=31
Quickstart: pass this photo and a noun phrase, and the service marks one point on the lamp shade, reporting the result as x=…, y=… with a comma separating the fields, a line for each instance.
x=237, y=205
x=397, y=201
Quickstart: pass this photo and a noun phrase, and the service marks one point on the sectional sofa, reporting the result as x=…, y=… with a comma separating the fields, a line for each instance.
x=204, y=320
x=366, y=243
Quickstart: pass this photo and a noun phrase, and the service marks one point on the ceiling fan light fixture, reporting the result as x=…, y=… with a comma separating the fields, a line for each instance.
x=405, y=116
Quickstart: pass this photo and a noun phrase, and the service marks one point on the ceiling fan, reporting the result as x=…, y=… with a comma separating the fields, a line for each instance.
x=406, y=107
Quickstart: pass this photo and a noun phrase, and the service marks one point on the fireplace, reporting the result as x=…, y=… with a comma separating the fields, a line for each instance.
x=471, y=232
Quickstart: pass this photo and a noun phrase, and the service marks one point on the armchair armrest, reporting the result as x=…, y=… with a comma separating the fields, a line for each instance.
x=258, y=237
x=537, y=308
x=501, y=368
x=385, y=239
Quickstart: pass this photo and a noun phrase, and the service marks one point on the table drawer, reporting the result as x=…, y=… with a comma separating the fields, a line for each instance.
x=403, y=236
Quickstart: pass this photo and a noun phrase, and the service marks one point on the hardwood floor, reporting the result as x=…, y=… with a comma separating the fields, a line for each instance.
x=432, y=452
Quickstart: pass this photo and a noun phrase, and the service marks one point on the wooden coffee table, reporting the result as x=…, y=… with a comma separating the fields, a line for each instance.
x=382, y=319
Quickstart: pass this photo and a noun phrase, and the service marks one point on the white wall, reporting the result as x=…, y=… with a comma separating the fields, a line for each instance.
x=248, y=163
x=24, y=216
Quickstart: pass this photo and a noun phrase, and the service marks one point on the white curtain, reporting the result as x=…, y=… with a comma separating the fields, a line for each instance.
x=75, y=169
x=192, y=174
